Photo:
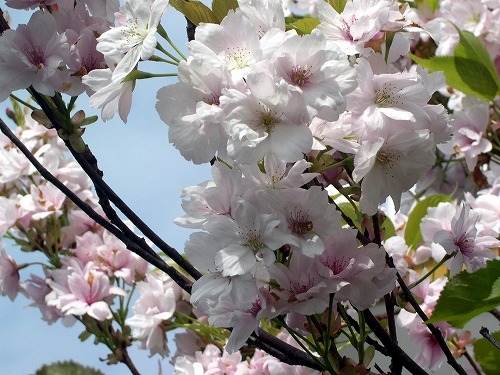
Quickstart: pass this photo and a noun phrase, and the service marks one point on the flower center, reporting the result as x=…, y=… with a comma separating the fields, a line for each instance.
x=35, y=56
x=300, y=76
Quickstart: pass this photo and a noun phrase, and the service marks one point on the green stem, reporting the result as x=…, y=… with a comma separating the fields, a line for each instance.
x=445, y=258
x=161, y=59
x=346, y=161
x=160, y=48
x=165, y=36
x=23, y=102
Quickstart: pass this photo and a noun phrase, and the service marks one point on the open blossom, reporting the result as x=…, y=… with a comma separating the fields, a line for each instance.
x=265, y=122
x=109, y=95
x=470, y=250
x=31, y=55
x=383, y=103
x=246, y=238
x=136, y=38
x=78, y=290
x=392, y=166
x=191, y=109
x=353, y=274
x=359, y=22
x=155, y=305
x=318, y=73
x=469, y=124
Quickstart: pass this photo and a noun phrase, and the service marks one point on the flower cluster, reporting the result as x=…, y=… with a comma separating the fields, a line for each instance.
x=310, y=124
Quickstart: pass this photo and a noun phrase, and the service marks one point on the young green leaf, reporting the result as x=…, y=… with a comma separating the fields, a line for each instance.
x=195, y=11
x=412, y=232
x=469, y=70
x=468, y=295
x=338, y=5
x=305, y=25
x=488, y=355
x=221, y=8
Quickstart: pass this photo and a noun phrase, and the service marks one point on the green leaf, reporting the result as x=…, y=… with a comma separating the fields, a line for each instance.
x=338, y=5
x=17, y=114
x=67, y=367
x=305, y=25
x=388, y=226
x=412, y=231
x=221, y=8
x=84, y=335
x=470, y=47
x=194, y=11
x=350, y=212
x=433, y=4
x=469, y=70
x=487, y=355
x=468, y=295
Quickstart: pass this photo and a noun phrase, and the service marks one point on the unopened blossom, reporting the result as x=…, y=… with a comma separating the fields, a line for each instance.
x=462, y=241
x=32, y=55
x=136, y=38
x=154, y=307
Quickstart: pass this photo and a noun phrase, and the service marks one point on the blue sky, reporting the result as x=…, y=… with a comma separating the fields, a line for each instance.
x=148, y=173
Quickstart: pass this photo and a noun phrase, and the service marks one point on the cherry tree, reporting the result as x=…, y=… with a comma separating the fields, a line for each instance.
x=353, y=150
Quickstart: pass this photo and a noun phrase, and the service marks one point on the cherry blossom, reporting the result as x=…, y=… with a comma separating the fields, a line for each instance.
x=135, y=38
x=31, y=55
x=9, y=276
x=155, y=305
x=462, y=241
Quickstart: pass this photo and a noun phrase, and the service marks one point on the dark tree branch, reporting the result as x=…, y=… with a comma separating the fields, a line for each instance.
x=85, y=207
x=3, y=23
x=265, y=341
x=485, y=332
x=495, y=313
x=89, y=164
x=392, y=347
x=434, y=330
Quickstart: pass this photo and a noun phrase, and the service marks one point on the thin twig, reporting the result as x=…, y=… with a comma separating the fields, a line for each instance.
x=434, y=330
x=495, y=313
x=472, y=362
x=85, y=207
x=89, y=164
x=393, y=349
x=485, y=332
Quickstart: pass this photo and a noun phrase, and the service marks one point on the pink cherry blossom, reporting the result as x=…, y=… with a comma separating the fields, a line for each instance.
x=155, y=306
x=392, y=166
x=461, y=240
x=9, y=276
x=136, y=38
x=31, y=55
